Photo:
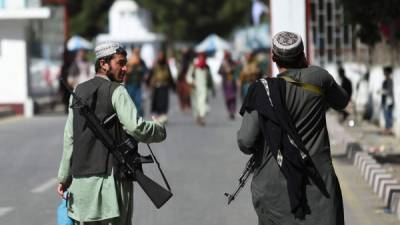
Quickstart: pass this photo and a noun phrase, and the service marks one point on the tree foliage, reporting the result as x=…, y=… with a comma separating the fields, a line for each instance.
x=370, y=16
x=88, y=17
x=177, y=19
x=195, y=19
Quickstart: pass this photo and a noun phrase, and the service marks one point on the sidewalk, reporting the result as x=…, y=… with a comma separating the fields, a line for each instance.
x=362, y=205
x=384, y=148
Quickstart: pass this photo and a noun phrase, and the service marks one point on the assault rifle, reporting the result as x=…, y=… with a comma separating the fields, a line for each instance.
x=243, y=179
x=126, y=153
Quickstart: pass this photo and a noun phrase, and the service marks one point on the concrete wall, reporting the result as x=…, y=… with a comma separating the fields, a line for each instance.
x=14, y=4
x=288, y=15
x=13, y=63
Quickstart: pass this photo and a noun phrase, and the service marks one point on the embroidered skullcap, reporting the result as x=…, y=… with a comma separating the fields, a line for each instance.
x=287, y=45
x=106, y=49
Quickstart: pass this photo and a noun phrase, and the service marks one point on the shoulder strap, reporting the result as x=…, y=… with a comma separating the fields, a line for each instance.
x=305, y=86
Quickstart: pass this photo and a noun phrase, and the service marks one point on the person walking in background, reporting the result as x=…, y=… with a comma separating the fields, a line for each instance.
x=229, y=83
x=160, y=81
x=250, y=73
x=136, y=72
x=182, y=87
x=64, y=71
x=284, y=126
x=199, y=77
x=364, y=105
x=347, y=86
x=387, y=100
x=79, y=71
x=98, y=191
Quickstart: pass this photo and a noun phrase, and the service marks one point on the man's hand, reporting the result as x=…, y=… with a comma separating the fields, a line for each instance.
x=61, y=188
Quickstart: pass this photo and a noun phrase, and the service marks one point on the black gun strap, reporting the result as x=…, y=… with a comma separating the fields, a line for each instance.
x=159, y=168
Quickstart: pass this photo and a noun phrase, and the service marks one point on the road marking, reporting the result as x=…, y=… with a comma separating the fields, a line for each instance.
x=45, y=186
x=5, y=210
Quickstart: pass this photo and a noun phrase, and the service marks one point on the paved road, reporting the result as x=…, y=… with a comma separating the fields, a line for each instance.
x=201, y=164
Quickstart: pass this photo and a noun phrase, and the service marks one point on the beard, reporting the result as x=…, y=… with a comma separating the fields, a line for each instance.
x=110, y=74
x=114, y=77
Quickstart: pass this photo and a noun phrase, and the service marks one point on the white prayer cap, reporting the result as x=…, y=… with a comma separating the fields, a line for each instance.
x=287, y=45
x=106, y=49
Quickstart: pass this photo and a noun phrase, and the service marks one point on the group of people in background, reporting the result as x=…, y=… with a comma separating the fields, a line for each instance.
x=386, y=96
x=194, y=84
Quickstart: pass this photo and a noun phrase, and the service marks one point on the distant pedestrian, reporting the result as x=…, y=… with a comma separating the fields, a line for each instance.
x=99, y=192
x=284, y=125
x=160, y=82
x=199, y=77
x=387, y=100
x=183, y=89
x=64, y=71
x=135, y=77
x=227, y=70
x=347, y=86
x=79, y=71
x=364, y=103
x=249, y=74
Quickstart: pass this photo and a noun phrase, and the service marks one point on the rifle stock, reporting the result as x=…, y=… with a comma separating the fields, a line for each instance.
x=157, y=194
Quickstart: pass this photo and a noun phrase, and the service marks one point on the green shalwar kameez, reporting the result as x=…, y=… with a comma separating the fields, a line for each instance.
x=103, y=199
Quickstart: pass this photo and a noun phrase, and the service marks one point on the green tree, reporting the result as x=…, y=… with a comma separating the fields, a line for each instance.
x=195, y=19
x=88, y=18
x=369, y=15
x=177, y=19
x=363, y=15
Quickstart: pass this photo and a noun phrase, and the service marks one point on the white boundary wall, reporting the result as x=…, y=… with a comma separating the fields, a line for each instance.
x=13, y=62
x=288, y=15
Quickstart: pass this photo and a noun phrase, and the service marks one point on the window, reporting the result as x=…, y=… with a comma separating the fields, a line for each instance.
x=329, y=11
x=321, y=24
x=321, y=4
x=330, y=55
x=346, y=38
x=313, y=12
x=2, y=4
x=314, y=35
x=330, y=35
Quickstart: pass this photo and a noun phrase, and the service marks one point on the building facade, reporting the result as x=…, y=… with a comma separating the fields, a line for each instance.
x=131, y=25
x=331, y=39
x=14, y=58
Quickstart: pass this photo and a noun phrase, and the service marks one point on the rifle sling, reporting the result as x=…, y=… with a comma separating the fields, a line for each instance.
x=306, y=86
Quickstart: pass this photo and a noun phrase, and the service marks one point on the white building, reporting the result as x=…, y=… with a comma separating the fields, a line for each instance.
x=130, y=25
x=288, y=15
x=14, y=60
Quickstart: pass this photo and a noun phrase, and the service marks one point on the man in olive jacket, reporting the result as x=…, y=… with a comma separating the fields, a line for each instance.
x=307, y=111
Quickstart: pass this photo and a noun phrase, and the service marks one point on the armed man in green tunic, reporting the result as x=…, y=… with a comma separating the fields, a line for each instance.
x=97, y=194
